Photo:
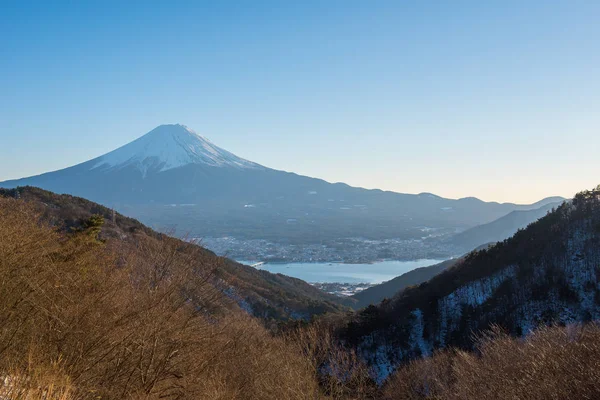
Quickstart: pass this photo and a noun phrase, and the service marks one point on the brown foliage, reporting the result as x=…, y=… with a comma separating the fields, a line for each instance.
x=82, y=319
x=552, y=363
x=273, y=297
x=342, y=374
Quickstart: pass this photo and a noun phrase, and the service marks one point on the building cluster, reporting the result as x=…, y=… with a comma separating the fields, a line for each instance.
x=350, y=250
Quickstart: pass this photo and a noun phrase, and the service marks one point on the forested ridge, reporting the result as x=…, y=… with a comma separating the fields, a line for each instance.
x=546, y=273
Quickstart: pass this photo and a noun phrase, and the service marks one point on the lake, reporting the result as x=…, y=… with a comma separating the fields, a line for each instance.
x=347, y=273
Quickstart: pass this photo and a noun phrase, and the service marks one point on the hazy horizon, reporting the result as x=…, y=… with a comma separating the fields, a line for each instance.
x=497, y=100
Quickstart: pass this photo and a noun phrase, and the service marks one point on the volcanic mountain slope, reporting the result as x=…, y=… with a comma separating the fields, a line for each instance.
x=211, y=192
x=547, y=273
x=260, y=293
x=170, y=164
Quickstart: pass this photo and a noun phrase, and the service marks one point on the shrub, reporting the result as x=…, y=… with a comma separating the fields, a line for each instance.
x=83, y=319
x=551, y=363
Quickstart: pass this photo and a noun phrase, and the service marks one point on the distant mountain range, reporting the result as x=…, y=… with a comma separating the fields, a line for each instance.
x=502, y=228
x=173, y=177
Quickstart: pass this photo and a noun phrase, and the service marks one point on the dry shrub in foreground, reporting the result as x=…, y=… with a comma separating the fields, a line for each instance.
x=342, y=374
x=81, y=319
x=36, y=382
x=551, y=363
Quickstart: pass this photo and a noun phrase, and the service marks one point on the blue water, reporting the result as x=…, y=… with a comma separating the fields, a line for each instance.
x=347, y=273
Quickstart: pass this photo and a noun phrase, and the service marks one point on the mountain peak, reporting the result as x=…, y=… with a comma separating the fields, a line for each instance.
x=167, y=147
x=172, y=130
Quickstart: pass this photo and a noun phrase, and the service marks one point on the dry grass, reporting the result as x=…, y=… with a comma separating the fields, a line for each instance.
x=36, y=382
x=552, y=363
x=82, y=319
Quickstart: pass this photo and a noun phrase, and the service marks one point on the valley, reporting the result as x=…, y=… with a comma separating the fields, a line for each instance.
x=542, y=275
x=345, y=279
x=404, y=309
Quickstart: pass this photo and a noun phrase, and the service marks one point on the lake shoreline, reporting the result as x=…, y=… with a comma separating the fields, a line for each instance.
x=340, y=272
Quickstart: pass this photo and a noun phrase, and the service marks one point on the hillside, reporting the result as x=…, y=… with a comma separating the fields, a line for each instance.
x=546, y=273
x=94, y=305
x=500, y=229
x=386, y=290
x=83, y=318
x=174, y=177
x=551, y=363
x=262, y=294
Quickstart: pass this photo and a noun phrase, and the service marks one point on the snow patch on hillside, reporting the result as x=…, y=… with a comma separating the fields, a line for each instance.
x=476, y=293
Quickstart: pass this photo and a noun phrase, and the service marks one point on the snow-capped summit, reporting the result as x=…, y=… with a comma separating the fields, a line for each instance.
x=167, y=147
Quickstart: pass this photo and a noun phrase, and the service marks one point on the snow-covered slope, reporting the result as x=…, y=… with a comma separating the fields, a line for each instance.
x=167, y=147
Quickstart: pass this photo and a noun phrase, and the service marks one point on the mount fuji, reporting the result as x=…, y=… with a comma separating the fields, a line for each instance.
x=169, y=165
x=168, y=147
x=174, y=177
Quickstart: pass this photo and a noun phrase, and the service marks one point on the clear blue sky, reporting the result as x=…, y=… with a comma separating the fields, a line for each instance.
x=494, y=99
